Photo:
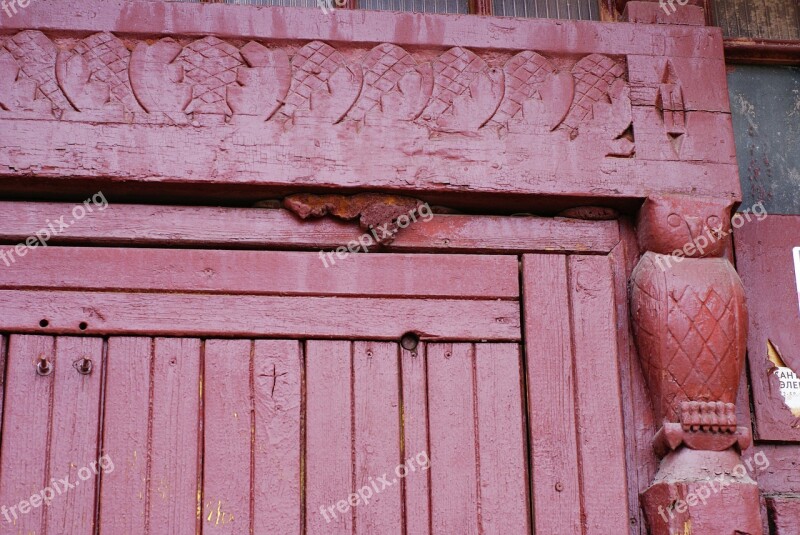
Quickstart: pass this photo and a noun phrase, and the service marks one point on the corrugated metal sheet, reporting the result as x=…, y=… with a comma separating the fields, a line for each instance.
x=419, y=6
x=290, y=3
x=551, y=9
x=761, y=19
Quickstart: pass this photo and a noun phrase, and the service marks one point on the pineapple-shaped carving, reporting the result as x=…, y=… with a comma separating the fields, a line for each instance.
x=595, y=76
x=394, y=85
x=103, y=59
x=35, y=55
x=535, y=92
x=211, y=64
x=690, y=326
x=322, y=83
x=466, y=92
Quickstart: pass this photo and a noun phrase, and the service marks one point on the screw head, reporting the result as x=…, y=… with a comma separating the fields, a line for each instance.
x=43, y=366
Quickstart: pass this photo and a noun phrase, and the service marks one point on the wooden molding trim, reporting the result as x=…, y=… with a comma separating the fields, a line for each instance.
x=259, y=228
x=764, y=51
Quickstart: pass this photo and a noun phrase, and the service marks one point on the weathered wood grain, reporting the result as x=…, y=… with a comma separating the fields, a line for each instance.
x=126, y=435
x=376, y=409
x=265, y=273
x=201, y=226
x=637, y=409
x=298, y=317
x=598, y=397
x=73, y=435
x=228, y=437
x=174, y=493
x=764, y=261
x=413, y=366
x=783, y=514
x=454, y=474
x=277, y=368
x=501, y=440
x=48, y=149
x=26, y=423
x=329, y=437
x=555, y=478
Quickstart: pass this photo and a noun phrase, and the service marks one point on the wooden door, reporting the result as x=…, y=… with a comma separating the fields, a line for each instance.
x=255, y=392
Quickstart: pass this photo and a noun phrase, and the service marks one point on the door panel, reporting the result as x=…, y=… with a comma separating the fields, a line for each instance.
x=248, y=316
x=50, y=435
x=576, y=430
x=239, y=434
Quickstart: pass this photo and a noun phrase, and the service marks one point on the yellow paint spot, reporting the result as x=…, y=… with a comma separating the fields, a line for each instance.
x=774, y=355
x=217, y=516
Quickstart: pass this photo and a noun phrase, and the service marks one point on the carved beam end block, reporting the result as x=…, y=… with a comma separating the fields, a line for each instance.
x=702, y=492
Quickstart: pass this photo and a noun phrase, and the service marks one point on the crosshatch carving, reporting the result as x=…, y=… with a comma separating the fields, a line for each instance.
x=102, y=78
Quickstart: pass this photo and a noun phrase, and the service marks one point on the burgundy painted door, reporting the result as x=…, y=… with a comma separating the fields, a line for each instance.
x=258, y=392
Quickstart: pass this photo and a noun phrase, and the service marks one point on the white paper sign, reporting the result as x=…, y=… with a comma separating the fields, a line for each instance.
x=790, y=387
x=797, y=271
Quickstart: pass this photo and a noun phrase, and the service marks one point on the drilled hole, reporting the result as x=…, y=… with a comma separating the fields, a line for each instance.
x=83, y=325
x=43, y=323
x=409, y=341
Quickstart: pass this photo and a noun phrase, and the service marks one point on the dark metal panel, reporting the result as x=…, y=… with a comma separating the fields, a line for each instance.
x=765, y=102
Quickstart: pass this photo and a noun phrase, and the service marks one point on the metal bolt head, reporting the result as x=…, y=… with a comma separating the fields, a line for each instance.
x=83, y=365
x=43, y=366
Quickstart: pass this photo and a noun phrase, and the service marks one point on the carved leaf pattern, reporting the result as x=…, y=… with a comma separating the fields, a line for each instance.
x=169, y=80
x=466, y=91
x=688, y=332
x=594, y=76
x=385, y=66
x=312, y=67
x=36, y=57
x=211, y=65
x=109, y=60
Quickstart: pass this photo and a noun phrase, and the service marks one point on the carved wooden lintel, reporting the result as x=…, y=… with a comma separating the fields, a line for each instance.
x=103, y=78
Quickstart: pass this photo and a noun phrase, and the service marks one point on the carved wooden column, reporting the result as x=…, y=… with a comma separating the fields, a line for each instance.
x=690, y=326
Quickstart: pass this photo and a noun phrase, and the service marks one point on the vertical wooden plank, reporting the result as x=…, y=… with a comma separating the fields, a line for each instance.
x=329, y=436
x=377, y=436
x=3, y=365
x=123, y=494
x=26, y=421
x=173, y=482
x=454, y=474
x=598, y=396
x=415, y=436
x=637, y=409
x=278, y=367
x=228, y=437
x=73, y=436
x=501, y=440
x=555, y=482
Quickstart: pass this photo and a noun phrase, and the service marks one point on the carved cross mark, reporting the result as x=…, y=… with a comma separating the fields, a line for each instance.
x=274, y=376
